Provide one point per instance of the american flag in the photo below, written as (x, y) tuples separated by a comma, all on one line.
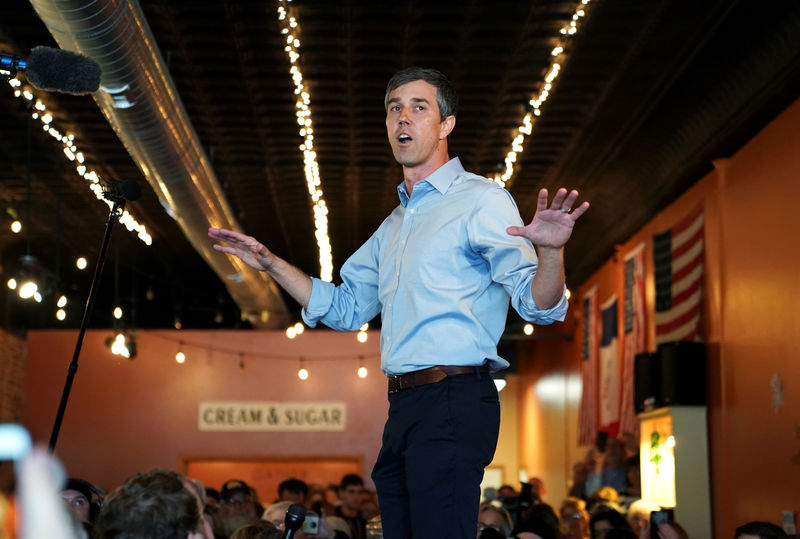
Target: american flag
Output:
[(678, 259), (609, 368), (587, 413), (635, 337)]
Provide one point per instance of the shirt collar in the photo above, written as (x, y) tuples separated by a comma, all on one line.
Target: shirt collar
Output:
[(441, 179)]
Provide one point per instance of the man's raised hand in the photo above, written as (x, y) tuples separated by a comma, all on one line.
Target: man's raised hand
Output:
[(246, 248), (552, 226)]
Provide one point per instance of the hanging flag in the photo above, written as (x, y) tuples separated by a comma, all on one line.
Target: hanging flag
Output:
[(678, 257), (635, 336), (609, 369), (587, 413)]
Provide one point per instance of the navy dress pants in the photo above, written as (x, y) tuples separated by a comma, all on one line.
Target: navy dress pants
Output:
[(437, 441)]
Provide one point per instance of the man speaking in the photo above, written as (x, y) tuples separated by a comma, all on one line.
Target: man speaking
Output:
[(441, 270)]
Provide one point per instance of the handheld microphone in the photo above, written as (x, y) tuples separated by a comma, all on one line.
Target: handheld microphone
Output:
[(295, 516), (55, 70), (117, 190)]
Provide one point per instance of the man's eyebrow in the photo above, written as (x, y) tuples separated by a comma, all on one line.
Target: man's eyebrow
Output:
[(413, 99)]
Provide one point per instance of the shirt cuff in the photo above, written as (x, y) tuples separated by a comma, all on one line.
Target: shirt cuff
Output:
[(530, 312), (319, 303)]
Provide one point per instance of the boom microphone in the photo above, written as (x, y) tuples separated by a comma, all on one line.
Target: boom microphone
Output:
[(117, 190), (295, 516), (55, 70)]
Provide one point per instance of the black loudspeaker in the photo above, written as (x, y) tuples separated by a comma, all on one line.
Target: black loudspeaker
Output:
[(683, 373), (675, 375), (644, 390)]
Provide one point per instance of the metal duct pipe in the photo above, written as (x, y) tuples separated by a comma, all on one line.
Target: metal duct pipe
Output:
[(140, 101)]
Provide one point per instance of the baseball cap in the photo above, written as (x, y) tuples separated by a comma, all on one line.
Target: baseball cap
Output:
[(231, 487)]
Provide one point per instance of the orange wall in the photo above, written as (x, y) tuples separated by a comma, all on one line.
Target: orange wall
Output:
[(126, 416), (751, 321)]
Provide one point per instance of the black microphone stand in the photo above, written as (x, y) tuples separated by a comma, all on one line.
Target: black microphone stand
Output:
[(117, 209)]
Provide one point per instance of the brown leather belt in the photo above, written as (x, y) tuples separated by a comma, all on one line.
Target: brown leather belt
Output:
[(430, 375)]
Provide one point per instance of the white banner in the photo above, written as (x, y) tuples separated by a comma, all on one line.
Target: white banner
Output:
[(272, 416)]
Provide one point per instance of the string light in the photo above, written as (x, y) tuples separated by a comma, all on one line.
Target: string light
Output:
[(61, 314), (291, 29), (117, 312), (527, 329), (16, 227), (538, 99), (12, 284), (302, 373), (72, 154), (291, 332), (62, 302), (299, 328), (362, 370), (81, 263), (122, 345), (180, 357)]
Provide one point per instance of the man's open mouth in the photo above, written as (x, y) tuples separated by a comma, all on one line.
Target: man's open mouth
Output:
[(404, 138)]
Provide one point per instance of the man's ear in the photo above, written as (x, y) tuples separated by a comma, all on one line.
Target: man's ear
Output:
[(447, 125)]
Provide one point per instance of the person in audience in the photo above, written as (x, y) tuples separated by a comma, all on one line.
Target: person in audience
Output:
[(212, 497), (633, 482), (237, 506), (339, 527), (535, 528), (638, 515), (506, 491), (603, 499), (350, 510), (276, 514), (612, 473), (538, 489), (574, 518), (293, 490), (580, 474), (78, 495), (369, 504), (602, 522), (258, 530), (759, 530), (492, 516), (158, 504)]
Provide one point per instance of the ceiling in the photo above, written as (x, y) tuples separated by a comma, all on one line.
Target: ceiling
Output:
[(648, 95)]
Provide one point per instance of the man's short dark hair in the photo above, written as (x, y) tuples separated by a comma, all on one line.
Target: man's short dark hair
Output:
[(762, 530), (295, 486), (446, 97), (351, 479), (152, 505)]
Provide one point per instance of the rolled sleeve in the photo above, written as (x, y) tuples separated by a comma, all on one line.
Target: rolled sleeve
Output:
[(319, 303), (527, 309)]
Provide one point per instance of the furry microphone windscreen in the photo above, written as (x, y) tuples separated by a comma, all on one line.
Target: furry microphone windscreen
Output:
[(63, 71)]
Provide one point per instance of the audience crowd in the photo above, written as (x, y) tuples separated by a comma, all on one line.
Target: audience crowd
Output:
[(603, 503)]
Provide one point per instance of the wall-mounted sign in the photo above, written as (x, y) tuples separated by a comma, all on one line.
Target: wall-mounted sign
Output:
[(272, 416)]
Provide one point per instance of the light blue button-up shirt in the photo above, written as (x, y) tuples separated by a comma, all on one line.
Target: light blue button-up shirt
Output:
[(441, 270)]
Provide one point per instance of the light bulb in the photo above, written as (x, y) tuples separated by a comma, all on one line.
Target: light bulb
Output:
[(117, 312), (362, 372), (12, 284), (61, 314), (180, 357), (302, 374), (365, 327), (81, 263), (528, 329), (568, 293), (299, 328), (291, 332), (28, 289), (16, 227), (362, 336), (62, 302), (37, 297)]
